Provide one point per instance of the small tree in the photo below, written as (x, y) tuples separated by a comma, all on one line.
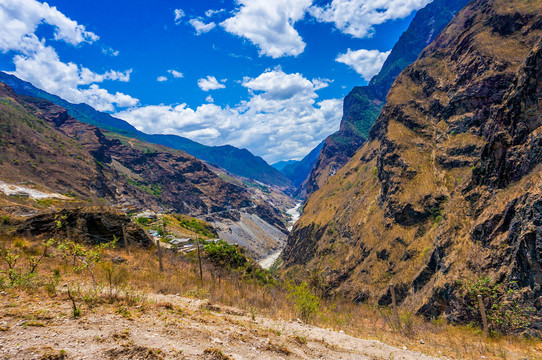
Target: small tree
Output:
[(84, 258), (307, 303), (16, 274), (10, 257)]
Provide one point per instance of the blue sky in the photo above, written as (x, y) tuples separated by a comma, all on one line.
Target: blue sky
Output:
[(264, 75)]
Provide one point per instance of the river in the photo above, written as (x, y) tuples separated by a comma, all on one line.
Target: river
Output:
[(268, 261)]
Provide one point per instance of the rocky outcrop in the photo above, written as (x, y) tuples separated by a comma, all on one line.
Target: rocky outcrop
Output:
[(363, 104), (448, 186), (88, 225)]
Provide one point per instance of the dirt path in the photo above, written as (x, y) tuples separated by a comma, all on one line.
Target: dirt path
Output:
[(170, 327)]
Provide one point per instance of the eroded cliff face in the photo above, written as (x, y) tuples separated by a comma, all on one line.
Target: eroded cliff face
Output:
[(448, 186), (363, 104)]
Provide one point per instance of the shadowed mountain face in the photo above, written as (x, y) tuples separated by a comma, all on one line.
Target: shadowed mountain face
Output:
[(237, 161), (281, 164), (297, 171), (448, 187), (363, 104)]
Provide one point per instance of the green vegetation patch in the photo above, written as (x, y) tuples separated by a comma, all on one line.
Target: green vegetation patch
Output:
[(306, 302), (197, 226), (503, 305), (153, 189), (232, 257)]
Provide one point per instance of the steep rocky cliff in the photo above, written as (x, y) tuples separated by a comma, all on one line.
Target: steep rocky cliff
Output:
[(363, 104), (448, 187)]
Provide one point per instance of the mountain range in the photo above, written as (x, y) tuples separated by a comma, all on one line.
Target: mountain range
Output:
[(297, 171), (44, 146), (237, 161), (361, 108), (429, 195)]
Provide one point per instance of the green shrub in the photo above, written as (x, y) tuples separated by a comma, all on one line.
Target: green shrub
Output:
[(143, 221), (232, 257), (307, 303), (19, 275), (504, 311), (227, 255), (375, 172), (84, 258), (153, 189), (44, 202), (197, 226)]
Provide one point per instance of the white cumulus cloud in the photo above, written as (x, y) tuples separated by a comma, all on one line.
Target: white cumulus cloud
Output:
[(270, 25), (45, 70), (179, 14), (109, 51), (103, 100), (321, 83), (357, 17), (211, 12), (367, 63), (39, 64), (277, 85), (20, 18), (201, 27), (282, 118), (210, 83), (161, 78), (175, 73)]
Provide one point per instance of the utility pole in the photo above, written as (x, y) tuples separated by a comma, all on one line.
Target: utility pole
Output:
[(199, 260), (125, 239), (394, 306), (483, 313), (159, 255)]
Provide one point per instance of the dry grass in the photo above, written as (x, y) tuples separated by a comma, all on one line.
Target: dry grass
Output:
[(216, 354), (512, 50), (125, 287), (522, 6), (352, 228)]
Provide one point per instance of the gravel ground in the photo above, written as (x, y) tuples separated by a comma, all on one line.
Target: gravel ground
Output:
[(170, 327)]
